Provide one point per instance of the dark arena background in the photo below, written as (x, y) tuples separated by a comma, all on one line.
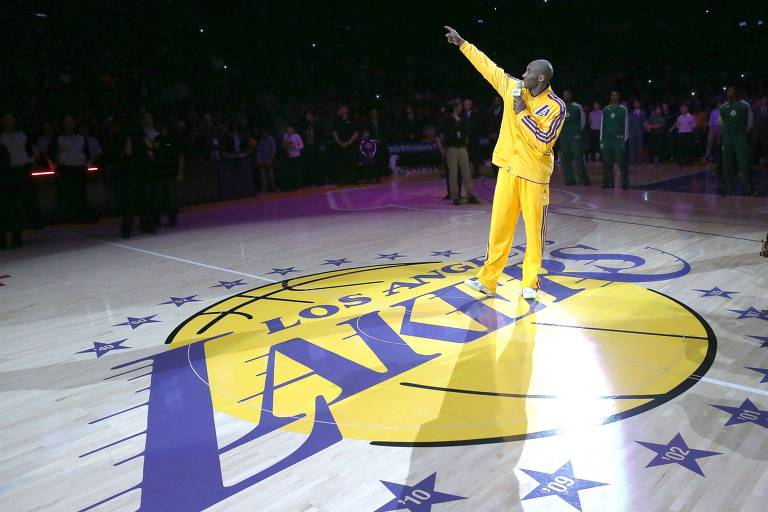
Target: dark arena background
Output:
[(353, 256)]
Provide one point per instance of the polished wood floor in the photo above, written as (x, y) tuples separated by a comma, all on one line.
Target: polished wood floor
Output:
[(316, 351)]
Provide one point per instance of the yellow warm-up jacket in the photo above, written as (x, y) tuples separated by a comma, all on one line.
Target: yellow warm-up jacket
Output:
[(525, 139)]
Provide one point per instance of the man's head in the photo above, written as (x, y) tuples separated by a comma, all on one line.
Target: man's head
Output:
[(68, 123), (636, 104), (658, 110), (595, 106), (538, 73), (683, 109), (9, 123), (468, 105), (289, 130), (455, 106), (615, 97), (147, 121), (732, 93), (343, 111), (568, 96)]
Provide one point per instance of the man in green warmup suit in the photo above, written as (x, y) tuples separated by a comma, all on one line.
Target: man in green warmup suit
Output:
[(736, 122), (571, 148), (614, 132)]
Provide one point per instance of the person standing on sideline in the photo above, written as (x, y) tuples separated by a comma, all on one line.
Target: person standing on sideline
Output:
[(713, 135), (21, 153), (494, 124), (69, 151), (453, 137), (473, 123), (614, 132), (655, 133), (636, 131), (759, 137), (266, 150), (685, 125), (11, 206), (532, 120), (736, 121), (595, 122), (310, 135), (293, 145), (571, 147), (345, 133), (169, 165)]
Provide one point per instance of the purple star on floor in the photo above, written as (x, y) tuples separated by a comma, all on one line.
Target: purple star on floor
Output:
[(561, 483), (764, 371), (337, 262), (764, 339), (102, 348), (180, 301), (391, 257), (416, 498), (747, 412), (677, 452), (283, 271), (229, 284), (751, 313), (716, 292), (446, 254), (135, 323)]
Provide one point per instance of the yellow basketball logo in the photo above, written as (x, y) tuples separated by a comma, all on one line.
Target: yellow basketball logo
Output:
[(406, 354)]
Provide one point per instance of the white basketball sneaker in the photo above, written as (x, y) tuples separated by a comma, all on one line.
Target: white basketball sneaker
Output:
[(530, 294), (476, 285)]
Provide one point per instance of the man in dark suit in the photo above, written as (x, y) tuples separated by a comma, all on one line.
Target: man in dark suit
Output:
[(759, 137), (636, 132), (493, 124), (473, 123)]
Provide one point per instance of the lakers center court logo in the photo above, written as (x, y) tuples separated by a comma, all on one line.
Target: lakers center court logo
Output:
[(406, 355)]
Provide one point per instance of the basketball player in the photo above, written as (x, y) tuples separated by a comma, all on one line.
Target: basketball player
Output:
[(532, 120)]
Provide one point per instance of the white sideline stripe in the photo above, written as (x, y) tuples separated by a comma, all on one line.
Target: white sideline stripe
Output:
[(168, 257), (734, 386)]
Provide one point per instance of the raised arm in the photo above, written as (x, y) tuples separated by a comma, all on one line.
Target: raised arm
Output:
[(495, 75)]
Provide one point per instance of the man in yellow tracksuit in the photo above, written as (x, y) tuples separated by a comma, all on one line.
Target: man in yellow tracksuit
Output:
[(532, 120)]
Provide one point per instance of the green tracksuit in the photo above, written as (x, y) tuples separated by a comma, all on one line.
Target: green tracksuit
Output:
[(614, 132), (571, 149), (736, 122)]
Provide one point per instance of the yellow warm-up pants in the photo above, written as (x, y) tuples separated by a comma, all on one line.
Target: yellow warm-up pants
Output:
[(514, 195)]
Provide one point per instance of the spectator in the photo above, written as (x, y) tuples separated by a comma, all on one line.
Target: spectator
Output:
[(684, 125), (656, 131), (266, 151), (293, 146), (411, 128), (595, 123), (669, 121), (636, 132), (713, 135), (20, 152), (571, 150), (140, 148), (69, 150), (345, 133), (94, 148), (169, 167), (453, 137), (759, 136), (311, 134), (11, 205), (473, 123), (42, 143), (378, 132), (495, 114)]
